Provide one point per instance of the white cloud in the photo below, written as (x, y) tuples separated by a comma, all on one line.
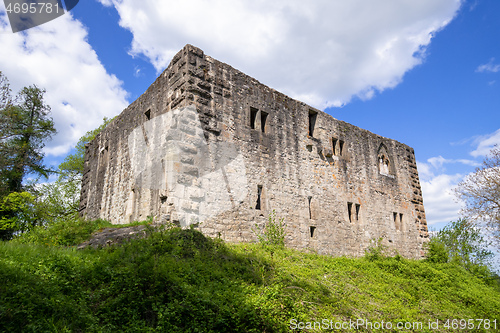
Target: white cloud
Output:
[(321, 52), (57, 57), (485, 143), (489, 67), (440, 202), (436, 165)]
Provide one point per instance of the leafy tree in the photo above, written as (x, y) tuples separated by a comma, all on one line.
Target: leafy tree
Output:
[(461, 242), (24, 126), (5, 103), (5, 92), (19, 212), (481, 193)]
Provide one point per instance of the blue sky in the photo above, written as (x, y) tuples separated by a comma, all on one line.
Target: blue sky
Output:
[(423, 72)]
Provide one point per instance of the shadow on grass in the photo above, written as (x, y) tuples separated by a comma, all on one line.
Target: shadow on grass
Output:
[(174, 281)]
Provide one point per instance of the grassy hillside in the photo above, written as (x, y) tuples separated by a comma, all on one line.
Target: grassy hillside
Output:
[(179, 281)]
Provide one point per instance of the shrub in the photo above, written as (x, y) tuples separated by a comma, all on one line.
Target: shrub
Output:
[(436, 251), (273, 233), (377, 250), (63, 233), (18, 214), (463, 244)]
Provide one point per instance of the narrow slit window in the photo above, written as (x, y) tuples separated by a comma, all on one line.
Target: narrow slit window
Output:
[(311, 231), (401, 221), (358, 207), (147, 114), (259, 197), (349, 211), (334, 146), (310, 213), (397, 222), (341, 147), (263, 119), (104, 156), (253, 117), (312, 121)]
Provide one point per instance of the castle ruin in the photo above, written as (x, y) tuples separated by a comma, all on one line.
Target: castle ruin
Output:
[(207, 145)]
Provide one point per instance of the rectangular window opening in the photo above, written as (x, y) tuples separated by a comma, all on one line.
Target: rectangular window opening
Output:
[(358, 207), (253, 117), (334, 146), (263, 118), (148, 114), (401, 221), (259, 197), (312, 121), (349, 211), (311, 230), (395, 216), (341, 147)]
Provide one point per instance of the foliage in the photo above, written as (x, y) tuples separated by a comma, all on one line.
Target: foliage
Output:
[(18, 214), (180, 281), (62, 232), (25, 125), (5, 92), (58, 202), (273, 233), (481, 193), (377, 250), (437, 252), (72, 166), (461, 242)]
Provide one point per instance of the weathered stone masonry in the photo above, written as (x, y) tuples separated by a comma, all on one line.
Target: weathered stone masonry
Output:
[(255, 150)]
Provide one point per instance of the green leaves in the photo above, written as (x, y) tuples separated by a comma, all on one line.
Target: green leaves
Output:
[(25, 125), (72, 166), (273, 234), (18, 213), (460, 242), (179, 281)]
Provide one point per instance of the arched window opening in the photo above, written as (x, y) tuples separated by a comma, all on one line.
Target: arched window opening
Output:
[(384, 161)]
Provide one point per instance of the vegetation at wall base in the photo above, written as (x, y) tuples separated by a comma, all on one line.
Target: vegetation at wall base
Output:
[(180, 281)]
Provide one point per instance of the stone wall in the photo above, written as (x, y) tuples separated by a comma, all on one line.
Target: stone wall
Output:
[(210, 146)]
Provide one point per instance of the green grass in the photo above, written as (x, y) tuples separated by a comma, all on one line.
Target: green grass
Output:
[(179, 281), (68, 233)]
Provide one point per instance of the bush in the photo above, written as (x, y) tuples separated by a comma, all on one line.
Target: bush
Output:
[(436, 251), (378, 251), (273, 233), (460, 242), (63, 233), (180, 281), (19, 213)]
